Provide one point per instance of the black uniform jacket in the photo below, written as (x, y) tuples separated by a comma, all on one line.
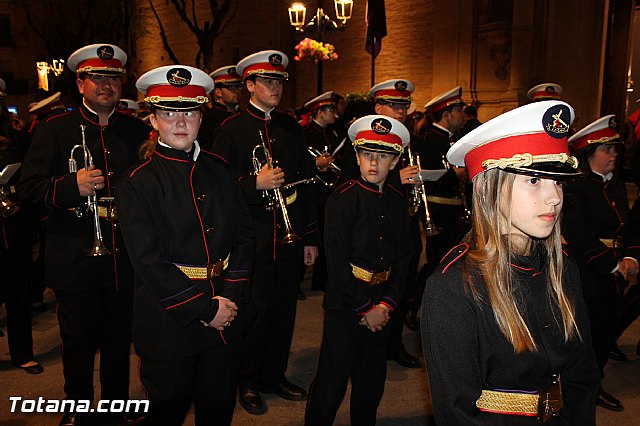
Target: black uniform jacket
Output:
[(369, 229), (46, 179), (466, 352), (235, 141), (179, 211), (595, 209), (211, 119), (434, 151)]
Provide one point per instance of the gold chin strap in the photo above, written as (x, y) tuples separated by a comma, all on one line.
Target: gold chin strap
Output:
[(526, 159), (157, 99), (394, 146), (605, 139), (98, 70)]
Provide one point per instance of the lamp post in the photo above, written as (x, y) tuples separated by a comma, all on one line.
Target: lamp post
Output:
[(320, 23)]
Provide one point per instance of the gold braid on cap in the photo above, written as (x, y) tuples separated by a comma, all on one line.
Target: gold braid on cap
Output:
[(526, 159), (155, 99), (604, 139), (261, 73), (394, 146), (90, 68), (391, 98)]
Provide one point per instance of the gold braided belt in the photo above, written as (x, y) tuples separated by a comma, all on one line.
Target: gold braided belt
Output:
[(526, 159), (544, 404), (371, 278), (204, 272)]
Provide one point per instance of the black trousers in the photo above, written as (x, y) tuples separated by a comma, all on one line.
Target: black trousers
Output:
[(602, 319), (208, 379), (629, 309), (95, 319), (349, 350), (15, 291), (274, 292)]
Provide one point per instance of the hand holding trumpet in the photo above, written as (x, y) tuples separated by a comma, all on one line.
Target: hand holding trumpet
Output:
[(89, 181), (269, 178)]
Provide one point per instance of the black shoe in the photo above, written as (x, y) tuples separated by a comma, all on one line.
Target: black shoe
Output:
[(285, 389), (32, 369), (608, 401), (616, 354), (411, 321), (405, 359), (70, 419), (251, 401)]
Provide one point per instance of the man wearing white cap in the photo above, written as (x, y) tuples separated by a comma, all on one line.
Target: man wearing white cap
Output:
[(226, 102), (94, 292), (603, 235), (366, 234), (283, 246)]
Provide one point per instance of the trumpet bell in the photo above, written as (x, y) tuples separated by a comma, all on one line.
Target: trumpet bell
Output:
[(7, 207), (99, 250), (431, 230), (290, 237)]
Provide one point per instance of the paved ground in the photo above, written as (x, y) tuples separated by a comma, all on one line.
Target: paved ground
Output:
[(405, 402)]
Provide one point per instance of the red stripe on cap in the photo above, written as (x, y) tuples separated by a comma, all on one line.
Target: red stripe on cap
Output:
[(225, 78), (168, 91), (444, 103), (393, 93), (370, 135), (263, 66), (583, 141), (321, 103), (100, 63), (533, 143), (545, 94)]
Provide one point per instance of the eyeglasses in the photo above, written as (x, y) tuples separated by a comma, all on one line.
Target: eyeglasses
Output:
[(328, 108), (102, 79), (396, 105), (170, 116)]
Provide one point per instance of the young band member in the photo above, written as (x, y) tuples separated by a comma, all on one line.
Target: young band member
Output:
[(283, 246), (602, 234), (504, 328), (190, 239), (366, 234), (94, 293)]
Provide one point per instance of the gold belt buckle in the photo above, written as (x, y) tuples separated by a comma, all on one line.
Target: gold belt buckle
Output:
[(550, 400), (379, 277), (214, 269)]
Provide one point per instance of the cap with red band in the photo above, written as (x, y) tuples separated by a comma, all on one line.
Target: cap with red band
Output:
[(446, 99), (603, 130), (128, 106), (319, 101), (175, 87), (531, 140), (545, 91), (393, 91), (379, 133), (226, 76), (98, 59), (266, 63), (46, 105)]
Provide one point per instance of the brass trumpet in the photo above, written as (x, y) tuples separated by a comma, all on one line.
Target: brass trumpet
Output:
[(273, 197), (333, 170), (466, 216), (418, 197), (7, 207), (98, 249)]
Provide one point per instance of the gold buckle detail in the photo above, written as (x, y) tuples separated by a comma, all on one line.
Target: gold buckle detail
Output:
[(550, 400), (372, 278)]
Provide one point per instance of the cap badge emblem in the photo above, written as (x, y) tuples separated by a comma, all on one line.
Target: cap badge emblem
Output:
[(555, 121), (550, 90), (232, 71), (275, 59), (401, 86), (178, 77), (381, 126), (612, 123), (105, 52)]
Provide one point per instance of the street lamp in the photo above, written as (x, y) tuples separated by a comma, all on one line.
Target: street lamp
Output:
[(320, 23)]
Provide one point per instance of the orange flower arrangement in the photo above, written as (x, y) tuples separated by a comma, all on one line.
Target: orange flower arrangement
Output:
[(314, 51)]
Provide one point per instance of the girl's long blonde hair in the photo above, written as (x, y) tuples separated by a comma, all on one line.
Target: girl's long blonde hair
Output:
[(491, 251)]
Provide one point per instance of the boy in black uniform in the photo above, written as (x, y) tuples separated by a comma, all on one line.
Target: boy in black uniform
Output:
[(94, 293), (278, 264), (367, 229)]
